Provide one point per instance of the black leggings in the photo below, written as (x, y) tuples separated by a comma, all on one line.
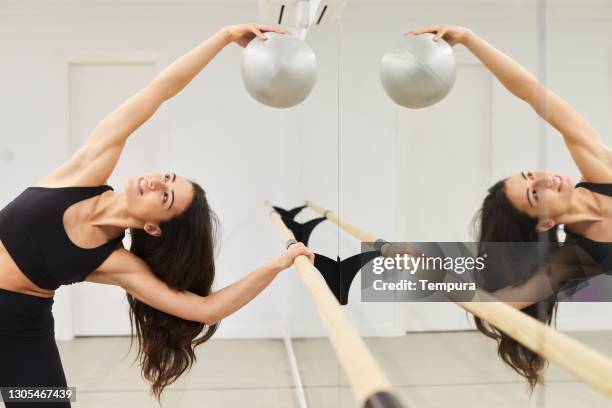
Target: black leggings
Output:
[(28, 353)]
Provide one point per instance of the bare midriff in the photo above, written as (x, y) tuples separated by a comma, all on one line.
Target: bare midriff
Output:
[(14, 280)]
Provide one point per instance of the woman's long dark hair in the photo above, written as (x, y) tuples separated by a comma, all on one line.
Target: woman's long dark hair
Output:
[(182, 257), (499, 221)]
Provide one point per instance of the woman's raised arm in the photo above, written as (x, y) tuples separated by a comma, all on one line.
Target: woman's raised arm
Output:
[(592, 156), (95, 161)]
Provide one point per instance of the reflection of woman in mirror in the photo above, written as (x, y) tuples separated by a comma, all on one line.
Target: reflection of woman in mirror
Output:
[(68, 228), (529, 206)]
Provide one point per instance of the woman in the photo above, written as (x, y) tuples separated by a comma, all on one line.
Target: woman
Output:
[(68, 228), (529, 206)]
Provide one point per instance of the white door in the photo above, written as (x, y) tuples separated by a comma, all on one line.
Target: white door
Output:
[(95, 90), (445, 169)]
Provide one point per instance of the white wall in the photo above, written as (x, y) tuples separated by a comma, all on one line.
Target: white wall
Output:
[(244, 153)]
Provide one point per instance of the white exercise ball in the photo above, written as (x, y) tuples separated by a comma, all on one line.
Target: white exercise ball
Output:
[(417, 71), (280, 71)]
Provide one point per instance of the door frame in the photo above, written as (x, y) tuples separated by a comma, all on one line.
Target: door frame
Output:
[(63, 308), (402, 312)]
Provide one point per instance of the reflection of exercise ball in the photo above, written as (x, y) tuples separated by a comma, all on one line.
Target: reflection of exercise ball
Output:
[(279, 72), (417, 71)]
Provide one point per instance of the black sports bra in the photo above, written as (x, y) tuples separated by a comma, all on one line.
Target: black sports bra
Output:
[(601, 252), (32, 230)]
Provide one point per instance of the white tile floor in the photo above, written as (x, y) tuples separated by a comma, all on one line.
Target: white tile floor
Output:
[(458, 369)]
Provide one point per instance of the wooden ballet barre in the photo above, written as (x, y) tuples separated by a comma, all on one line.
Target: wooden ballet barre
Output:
[(368, 382), (588, 365)]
